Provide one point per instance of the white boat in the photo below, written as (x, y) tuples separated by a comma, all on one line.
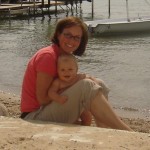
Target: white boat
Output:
[(119, 26)]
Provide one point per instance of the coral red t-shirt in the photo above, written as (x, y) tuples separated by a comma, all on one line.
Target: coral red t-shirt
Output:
[(42, 61)]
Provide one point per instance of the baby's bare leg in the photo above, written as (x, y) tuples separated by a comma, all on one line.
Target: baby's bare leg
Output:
[(86, 118)]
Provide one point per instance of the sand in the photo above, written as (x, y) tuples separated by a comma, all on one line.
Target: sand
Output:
[(12, 103)]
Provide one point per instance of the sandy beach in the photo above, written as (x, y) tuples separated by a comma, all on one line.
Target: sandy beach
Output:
[(12, 103)]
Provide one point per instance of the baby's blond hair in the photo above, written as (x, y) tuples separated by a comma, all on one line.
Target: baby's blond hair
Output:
[(66, 58)]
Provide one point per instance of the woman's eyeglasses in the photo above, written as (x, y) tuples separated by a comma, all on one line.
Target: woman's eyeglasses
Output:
[(70, 36)]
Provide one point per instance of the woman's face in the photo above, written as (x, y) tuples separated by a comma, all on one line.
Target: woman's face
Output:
[(70, 38)]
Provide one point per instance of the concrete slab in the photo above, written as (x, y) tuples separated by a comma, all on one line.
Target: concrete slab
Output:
[(37, 135)]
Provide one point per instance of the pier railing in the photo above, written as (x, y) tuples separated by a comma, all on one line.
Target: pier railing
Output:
[(32, 7)]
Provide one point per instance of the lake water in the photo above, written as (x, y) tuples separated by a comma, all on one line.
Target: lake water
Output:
[(123, 62)]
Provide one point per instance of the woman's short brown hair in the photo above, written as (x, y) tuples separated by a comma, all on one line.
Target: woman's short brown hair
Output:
[(67, 23)]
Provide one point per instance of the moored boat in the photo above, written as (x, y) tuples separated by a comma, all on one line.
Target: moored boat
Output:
[(119, 26)]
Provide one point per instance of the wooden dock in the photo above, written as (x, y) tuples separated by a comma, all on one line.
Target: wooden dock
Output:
[(33, 8)]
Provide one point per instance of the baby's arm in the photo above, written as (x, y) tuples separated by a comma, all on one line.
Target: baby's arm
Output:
[(53, 93)]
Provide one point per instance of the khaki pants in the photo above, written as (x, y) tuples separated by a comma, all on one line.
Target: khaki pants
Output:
[(79, 98)]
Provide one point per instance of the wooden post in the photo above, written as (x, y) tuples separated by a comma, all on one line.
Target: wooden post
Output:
[(21, 3), (76, 3), (42, 8), (92, 9), (128, 19), (34, 7), (42, 3), (9, 14), (28, 11), (56, 8), (49, 5), (109, 9)]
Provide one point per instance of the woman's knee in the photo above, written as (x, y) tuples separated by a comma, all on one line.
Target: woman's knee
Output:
[(89, 83), (103, 89)]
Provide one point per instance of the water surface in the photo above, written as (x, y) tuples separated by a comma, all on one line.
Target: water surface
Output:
[(122, 62)]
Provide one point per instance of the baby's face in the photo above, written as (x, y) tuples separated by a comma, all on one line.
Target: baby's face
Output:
[(67, 71)]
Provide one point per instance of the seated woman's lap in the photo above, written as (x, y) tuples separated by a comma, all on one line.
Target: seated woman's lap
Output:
[(79, 98)]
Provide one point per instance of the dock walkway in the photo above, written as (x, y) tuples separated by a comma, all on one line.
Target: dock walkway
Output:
[(34, 8)]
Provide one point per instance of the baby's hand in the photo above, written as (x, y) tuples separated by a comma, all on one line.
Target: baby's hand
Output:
[(63, 99)]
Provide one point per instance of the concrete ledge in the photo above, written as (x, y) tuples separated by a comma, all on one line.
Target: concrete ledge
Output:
[(37, 135)]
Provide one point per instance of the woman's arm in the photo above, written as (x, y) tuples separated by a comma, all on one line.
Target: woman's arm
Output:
[(43, 83)]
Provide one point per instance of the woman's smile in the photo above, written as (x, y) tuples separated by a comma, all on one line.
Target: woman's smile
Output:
[(70, 38)]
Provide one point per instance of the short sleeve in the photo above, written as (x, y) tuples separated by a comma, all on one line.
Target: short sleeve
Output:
[(46, 63)]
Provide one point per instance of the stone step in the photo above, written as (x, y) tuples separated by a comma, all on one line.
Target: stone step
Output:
[(19, 134)]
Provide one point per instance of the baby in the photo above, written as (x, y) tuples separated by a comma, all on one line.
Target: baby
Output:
[(68, 75), (67, 69)]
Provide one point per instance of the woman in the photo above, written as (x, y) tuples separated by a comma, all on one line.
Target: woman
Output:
[(85, 96)]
